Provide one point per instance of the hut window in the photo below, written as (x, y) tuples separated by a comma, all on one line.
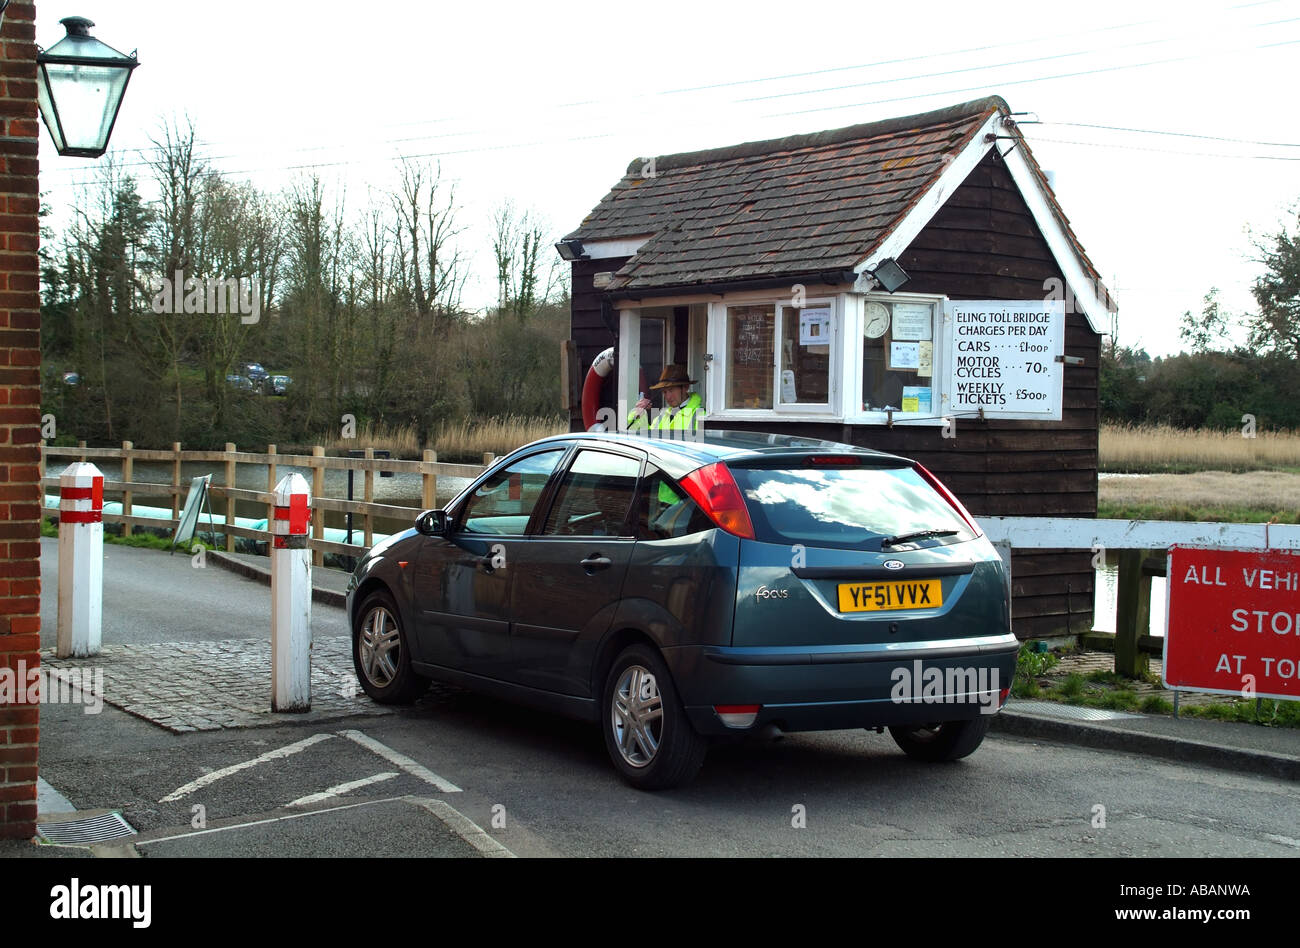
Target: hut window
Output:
[(898, 356), (780, 355)]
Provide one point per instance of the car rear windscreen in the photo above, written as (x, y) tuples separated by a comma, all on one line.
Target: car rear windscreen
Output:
[(850, 507)]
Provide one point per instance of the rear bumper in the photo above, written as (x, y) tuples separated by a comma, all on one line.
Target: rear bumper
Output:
[(831, 687)]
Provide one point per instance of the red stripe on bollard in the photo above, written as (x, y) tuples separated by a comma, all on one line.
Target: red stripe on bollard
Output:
[(76, 493), (81, 516)]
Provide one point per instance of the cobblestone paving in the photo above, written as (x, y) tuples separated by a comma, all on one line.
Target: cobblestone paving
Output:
[(207, 686)]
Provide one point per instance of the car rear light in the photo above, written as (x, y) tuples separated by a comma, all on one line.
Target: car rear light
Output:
[(715, 490), (737, 715), (1003, 695), (947, 495)]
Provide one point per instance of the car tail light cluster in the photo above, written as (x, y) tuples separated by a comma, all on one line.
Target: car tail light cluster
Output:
[(947, 495), (737, 715), (715, 490)]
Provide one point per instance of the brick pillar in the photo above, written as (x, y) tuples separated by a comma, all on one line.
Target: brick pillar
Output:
[(21, 495)]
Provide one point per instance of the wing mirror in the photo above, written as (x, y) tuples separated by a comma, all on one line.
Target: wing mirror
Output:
[(432, 523)]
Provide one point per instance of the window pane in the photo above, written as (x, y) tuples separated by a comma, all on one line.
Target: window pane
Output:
[(805, 355), (898, 357), (663, 509), (751, 355), (849, 507), (503, 503), (594, 496)]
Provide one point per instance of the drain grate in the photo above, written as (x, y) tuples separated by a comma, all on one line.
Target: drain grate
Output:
[(1053, 710), (85, 831)]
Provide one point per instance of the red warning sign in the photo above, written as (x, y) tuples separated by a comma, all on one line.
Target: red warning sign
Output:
[(1233, 622)]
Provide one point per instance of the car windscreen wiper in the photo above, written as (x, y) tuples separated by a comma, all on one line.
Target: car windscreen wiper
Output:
[(918, 535)]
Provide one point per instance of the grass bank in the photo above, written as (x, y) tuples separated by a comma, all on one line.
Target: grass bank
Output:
[(1219, 496)]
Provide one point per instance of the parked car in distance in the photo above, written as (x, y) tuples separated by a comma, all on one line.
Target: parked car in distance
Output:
[(278, 384), (255, 373), (679, 591), (70, 378), (241, 382)]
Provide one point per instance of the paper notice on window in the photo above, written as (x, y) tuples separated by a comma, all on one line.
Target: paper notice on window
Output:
[(815, 326), (925, 364), (916, 398), (788, 391), (913, 321), (904, 355)]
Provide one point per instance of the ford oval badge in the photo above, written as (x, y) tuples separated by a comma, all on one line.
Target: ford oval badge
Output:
[(893, 564)]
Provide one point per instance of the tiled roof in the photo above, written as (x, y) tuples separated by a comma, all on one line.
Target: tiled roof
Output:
[(796, 205)]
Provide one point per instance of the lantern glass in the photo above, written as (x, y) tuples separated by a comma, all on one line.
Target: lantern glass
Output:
[(80, 85)]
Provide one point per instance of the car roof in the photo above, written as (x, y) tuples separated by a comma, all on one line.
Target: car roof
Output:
[(679, 455)]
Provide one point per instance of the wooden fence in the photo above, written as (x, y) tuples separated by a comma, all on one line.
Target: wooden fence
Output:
[(429, 469)]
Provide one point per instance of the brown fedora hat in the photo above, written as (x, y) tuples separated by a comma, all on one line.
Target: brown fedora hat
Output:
[(673, 374)]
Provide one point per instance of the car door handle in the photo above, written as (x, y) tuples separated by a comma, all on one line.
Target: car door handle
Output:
[(485, 563), (596, 562)]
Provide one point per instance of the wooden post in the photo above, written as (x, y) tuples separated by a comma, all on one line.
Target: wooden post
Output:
[(128, 475), (488, 458), (270, 487), (429, 482), (82, 458), (369, 519), (176, 480), (230, 498), (1132, 615), (318, 515)]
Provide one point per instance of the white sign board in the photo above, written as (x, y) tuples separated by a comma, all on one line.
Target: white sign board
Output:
[(1002, 357)]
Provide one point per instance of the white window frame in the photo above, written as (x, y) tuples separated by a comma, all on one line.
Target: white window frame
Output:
[(830, 410), (853, 327)]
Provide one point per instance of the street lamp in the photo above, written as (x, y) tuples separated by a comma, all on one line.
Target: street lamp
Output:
[(79, 87)]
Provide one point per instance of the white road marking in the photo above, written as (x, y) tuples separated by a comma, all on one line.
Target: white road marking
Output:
[(466, 829), (274, 819), (1284, 840), (278, 754), (401, 760), (339, 789)]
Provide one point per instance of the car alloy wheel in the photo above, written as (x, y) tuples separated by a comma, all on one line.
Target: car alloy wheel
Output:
[(380, 647), (381, 653), (647, 733), (637, 716)]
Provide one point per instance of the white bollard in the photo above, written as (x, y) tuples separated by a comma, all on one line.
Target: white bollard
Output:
[(81, 561), (291, 597)]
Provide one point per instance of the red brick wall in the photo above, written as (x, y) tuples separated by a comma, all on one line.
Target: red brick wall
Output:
[(20, 414)]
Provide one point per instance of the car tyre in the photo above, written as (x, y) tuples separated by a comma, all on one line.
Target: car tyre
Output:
[(647, 734), (949, 740), (381, 653)]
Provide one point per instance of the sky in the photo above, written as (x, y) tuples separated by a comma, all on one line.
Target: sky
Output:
[(546, 104)]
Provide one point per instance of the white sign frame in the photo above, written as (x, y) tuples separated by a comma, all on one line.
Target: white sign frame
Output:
[(1004, 327)]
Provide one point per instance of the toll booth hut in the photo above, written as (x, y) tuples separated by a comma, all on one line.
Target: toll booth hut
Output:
[(910, 285)]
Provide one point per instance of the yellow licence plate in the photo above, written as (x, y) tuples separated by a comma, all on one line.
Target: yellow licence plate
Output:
[(883, 597)]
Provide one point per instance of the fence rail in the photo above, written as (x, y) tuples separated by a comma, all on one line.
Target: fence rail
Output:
[(429, 468)]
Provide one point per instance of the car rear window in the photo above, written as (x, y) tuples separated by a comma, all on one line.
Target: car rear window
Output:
[(849, 507)]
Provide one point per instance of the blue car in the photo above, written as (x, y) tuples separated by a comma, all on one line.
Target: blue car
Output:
[(677, 592)]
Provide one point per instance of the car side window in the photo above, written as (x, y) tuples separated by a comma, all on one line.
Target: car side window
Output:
[(594, 496), (504, 503), (663, 509)]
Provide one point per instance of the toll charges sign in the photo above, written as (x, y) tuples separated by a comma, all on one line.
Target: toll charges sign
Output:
[(1002, 357), (1233, 622)]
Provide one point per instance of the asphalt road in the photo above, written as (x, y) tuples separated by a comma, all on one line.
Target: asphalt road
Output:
[(542, 785)]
